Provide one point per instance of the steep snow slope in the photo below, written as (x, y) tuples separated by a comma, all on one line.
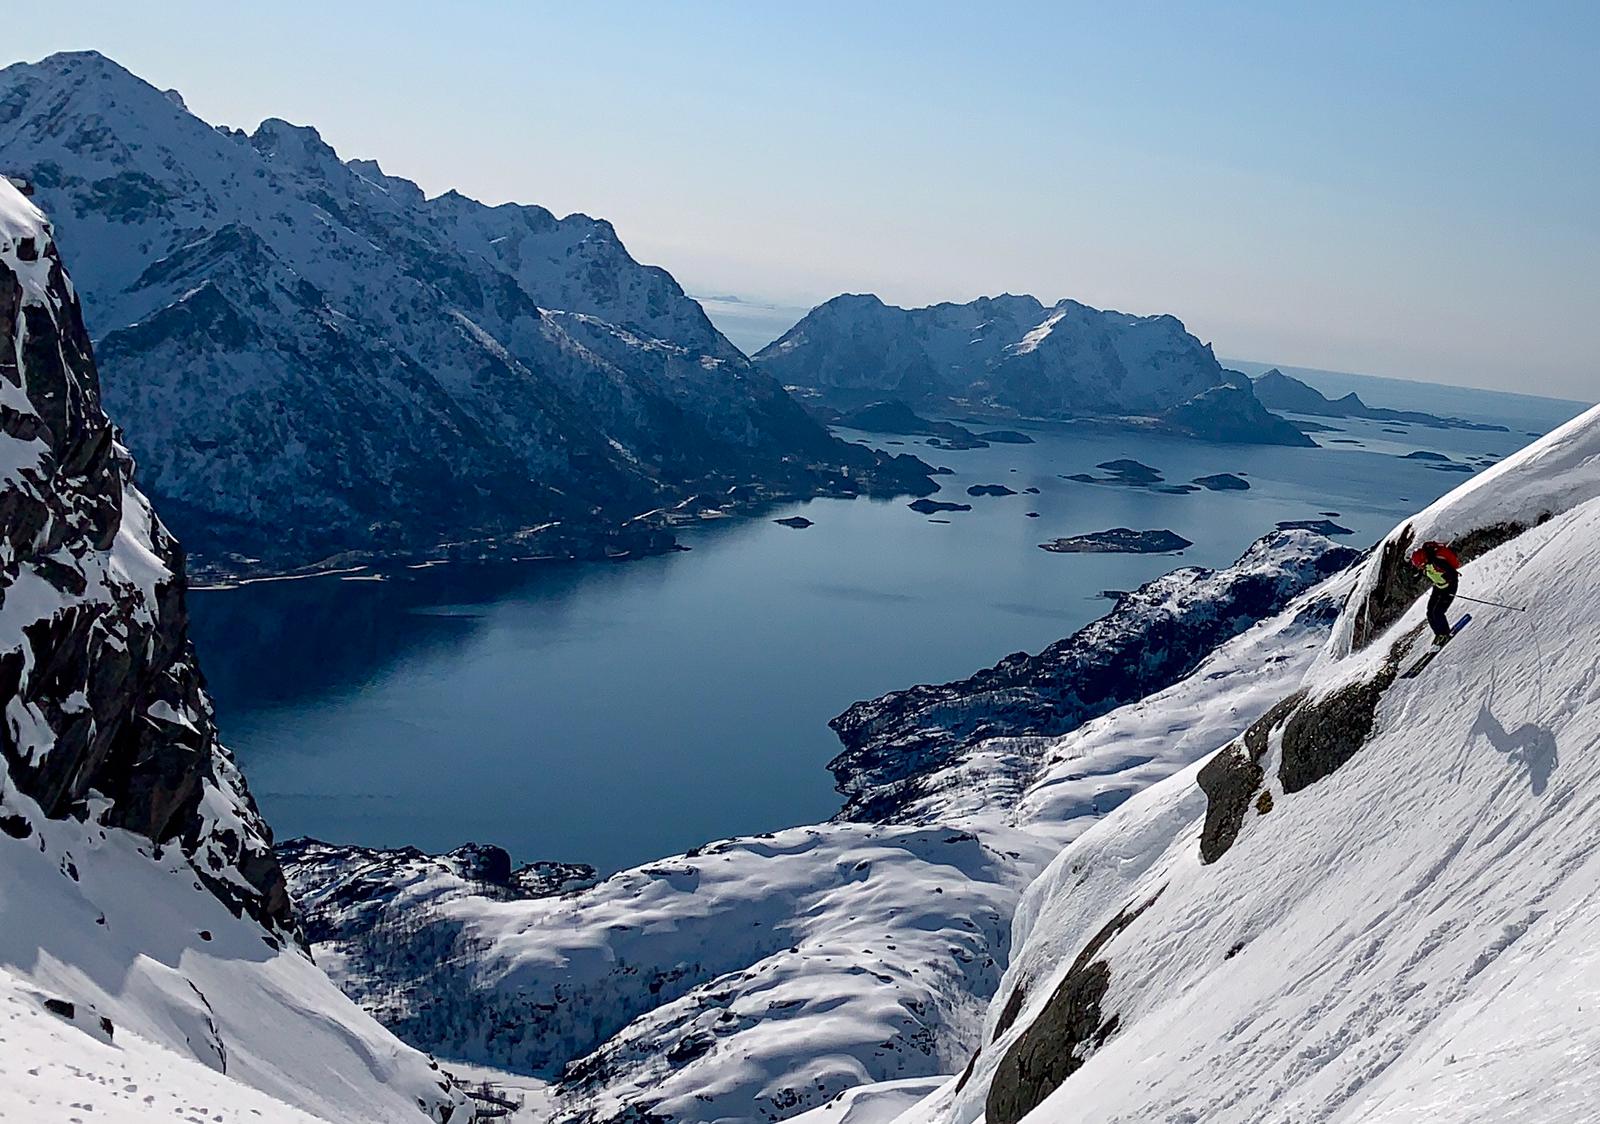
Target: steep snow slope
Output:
[(1379, 903), (312, 357), (137, 881), (756, 978), (1013, 355)]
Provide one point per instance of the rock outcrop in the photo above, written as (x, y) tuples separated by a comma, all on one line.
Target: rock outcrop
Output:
[(106, 715)]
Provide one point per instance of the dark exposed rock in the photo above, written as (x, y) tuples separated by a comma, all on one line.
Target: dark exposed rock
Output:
[(1317, 736), (928, 507), (1223, 482), (1425, 455), (990, 490), (1232, 777), (798, 522), (1053, 1047), (1321, 736), (1119, 540), (1131, 471), (103, 664), (1005, 437), (1399, 584)]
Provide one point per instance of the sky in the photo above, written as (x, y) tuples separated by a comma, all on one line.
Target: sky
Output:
[(1398, 189)]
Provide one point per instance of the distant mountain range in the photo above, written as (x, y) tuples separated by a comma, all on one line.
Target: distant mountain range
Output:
[(1011, 355), (1279, 391), (313, 358)]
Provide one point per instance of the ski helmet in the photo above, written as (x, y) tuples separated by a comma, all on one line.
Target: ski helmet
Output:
[(1419, 558)]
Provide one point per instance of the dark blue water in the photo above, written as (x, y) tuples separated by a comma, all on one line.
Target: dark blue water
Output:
[(615, 713)]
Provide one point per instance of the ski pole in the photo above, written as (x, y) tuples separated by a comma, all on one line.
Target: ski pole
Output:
[(1495, 604)]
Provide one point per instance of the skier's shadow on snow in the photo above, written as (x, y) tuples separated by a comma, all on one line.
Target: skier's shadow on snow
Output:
[(1531, 745)]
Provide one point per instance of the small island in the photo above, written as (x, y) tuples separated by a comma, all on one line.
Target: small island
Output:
[(798, 522), (928, 507), (1005, 437), (1119, 540), (1126, 473), (1320, 526), (990, 490), (1131, 471), (1223, 482)]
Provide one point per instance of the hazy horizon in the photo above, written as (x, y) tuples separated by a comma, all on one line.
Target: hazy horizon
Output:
[(1394, 193)]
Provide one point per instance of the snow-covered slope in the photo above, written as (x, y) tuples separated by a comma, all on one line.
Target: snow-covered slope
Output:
[(312, 357), (1380, 902), (756, 978), (146, 936), (1014, 355)]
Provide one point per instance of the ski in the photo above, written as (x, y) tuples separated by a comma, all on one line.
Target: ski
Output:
[(1428, 657)]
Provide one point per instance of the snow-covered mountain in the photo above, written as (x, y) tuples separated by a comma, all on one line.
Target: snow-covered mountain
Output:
[(313, 357), (755, 978), (1378, 903), (1287, 884), (1013, 355), (150, 959)]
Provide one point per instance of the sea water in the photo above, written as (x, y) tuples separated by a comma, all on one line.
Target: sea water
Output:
[(615, 713)]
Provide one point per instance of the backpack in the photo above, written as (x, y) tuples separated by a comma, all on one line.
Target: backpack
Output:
[(1444, 554)]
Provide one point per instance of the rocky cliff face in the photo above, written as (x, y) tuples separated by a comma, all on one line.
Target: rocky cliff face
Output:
[(313, 357), (106, 715), (147, 929), (1012, 355)]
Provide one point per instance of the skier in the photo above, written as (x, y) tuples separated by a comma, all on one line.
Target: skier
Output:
[(1440, 566)]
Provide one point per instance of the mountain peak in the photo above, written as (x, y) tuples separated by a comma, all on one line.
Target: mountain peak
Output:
[(296, 145), (80, 68)]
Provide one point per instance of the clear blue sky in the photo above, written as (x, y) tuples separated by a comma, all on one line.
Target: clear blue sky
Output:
[(1407, 189)]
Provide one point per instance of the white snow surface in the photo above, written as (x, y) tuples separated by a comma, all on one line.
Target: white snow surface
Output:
[(1410, 938), (19, 218), (205, 1012), (824, 958), (1555, 473)]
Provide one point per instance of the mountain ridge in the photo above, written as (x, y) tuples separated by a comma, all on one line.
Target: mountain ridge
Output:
[(315, 359), (1013, 356), (149, 950)]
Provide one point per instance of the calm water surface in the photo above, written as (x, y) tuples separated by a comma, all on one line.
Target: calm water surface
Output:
[(615, 713)]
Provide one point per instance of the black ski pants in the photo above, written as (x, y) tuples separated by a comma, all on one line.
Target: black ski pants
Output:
[(1438, 605)]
